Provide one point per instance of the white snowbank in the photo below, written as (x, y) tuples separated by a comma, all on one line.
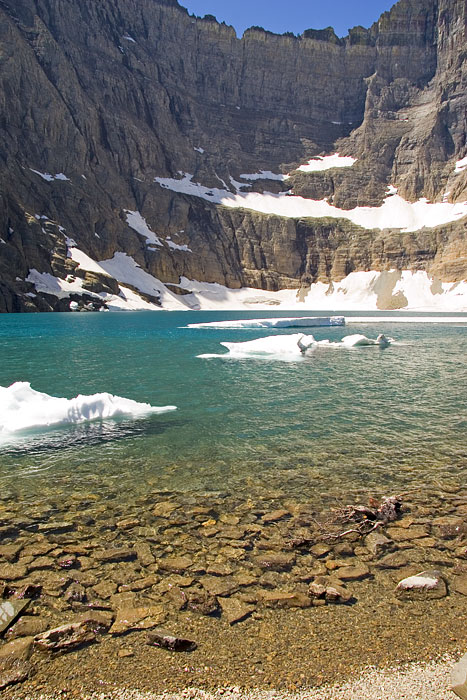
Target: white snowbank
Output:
[(327, 162), (395, 212), (303, 322), (138, 224), (461, 165), (50, 178), (295, 346), (22, 408), (264, 175)]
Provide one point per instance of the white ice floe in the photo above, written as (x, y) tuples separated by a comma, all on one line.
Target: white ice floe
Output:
[(198, 148), (127, 37), (395, 212), (294, 347), (23, 408), (49, 177), (461, 165), (138, 224), (264, 175), (327, 162), (303, 322)]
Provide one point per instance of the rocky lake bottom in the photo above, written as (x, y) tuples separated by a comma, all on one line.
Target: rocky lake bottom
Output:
[(272, 592)]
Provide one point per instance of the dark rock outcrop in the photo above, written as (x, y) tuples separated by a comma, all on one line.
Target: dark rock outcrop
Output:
[(113, 94)]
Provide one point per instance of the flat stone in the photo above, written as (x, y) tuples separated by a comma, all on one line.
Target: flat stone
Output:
[(377, 543), (459, 678), (218, 586), (275, 561), (12, 572), (10, 610), (167, 640), (219, 570), (18, 649), (401, 534), (41, 563), (56, 526), (427, 585), (14, 661), (37, 549), (128, 523), (275, 515), (137, 619), (234, 610), (105, 589), (281, 599), (353, 573), (393, 561), (176, 565), (100, 620), (164, 509), (320, 549), (115, 555), (337, 594), (459, 584), (27, 626), (140, 584), (144, 554), (10, 551), (65, 637)]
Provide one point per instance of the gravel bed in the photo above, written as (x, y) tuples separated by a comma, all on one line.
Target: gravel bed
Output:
[(417, 681)]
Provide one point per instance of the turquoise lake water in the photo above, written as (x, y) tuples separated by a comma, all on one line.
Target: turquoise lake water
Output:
[(331, 424)]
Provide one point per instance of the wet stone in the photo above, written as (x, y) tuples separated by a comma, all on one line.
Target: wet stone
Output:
[(377, 543), (353, 573), (65, 637), (105, 589), (14, 664), (144, 554), (10, 610), (27, 626), (337, 594), (218, 586), (282, 599), (115, 555), (10, 551), (176, 565), (202, 602), (275, 561), (137, 619), (164, 509), (275, 515), (167, 640), (100, 620), (459, 585), (219, 570), (234, 610), (401, 534), (12, 572), (140, 584), (393, 561), (320, 549), (56, 527), (41, 563), (427, 585)]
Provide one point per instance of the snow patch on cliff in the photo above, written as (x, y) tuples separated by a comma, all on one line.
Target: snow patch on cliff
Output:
[(138, 224), (395, 212), (327, 162)]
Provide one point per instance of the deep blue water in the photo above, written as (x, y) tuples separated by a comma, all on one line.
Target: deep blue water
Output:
[(336, 422)]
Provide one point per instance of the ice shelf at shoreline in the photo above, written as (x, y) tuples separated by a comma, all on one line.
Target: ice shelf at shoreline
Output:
[(23, 408), (304, 322)]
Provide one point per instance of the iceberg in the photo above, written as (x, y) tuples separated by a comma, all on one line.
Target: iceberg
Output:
[(303, 322), (294, 347), (23, 408)]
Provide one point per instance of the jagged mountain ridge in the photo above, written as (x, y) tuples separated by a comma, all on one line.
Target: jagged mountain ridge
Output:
[(113, 94)]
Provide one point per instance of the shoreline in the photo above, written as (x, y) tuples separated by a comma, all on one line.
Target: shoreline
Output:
[(413, 681)]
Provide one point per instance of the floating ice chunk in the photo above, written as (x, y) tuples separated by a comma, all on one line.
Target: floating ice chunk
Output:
[(138, 224), (284, 346), (294, 347), (461, 165), (302, 322), (23, 408), (198, 148), (127, 37), (327, 162), (358, 340)]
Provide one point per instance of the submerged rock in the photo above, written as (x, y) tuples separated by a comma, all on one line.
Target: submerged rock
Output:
[(10, 610), (66, 637), (427, 585), (137, 619), (166, 640), (235, 610)]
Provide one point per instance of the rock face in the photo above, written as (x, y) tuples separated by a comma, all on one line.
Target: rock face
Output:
[(98, 99)]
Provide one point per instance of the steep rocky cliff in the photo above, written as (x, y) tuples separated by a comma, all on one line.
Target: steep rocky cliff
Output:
[(99, 98)]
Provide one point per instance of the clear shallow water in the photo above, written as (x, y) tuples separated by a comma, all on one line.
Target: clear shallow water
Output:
[(348, 420)]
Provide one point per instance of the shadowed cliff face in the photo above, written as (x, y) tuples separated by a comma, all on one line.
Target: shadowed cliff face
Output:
[(108, 95)]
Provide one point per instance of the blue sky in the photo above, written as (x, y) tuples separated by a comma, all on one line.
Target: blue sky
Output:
[(292, 15)]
